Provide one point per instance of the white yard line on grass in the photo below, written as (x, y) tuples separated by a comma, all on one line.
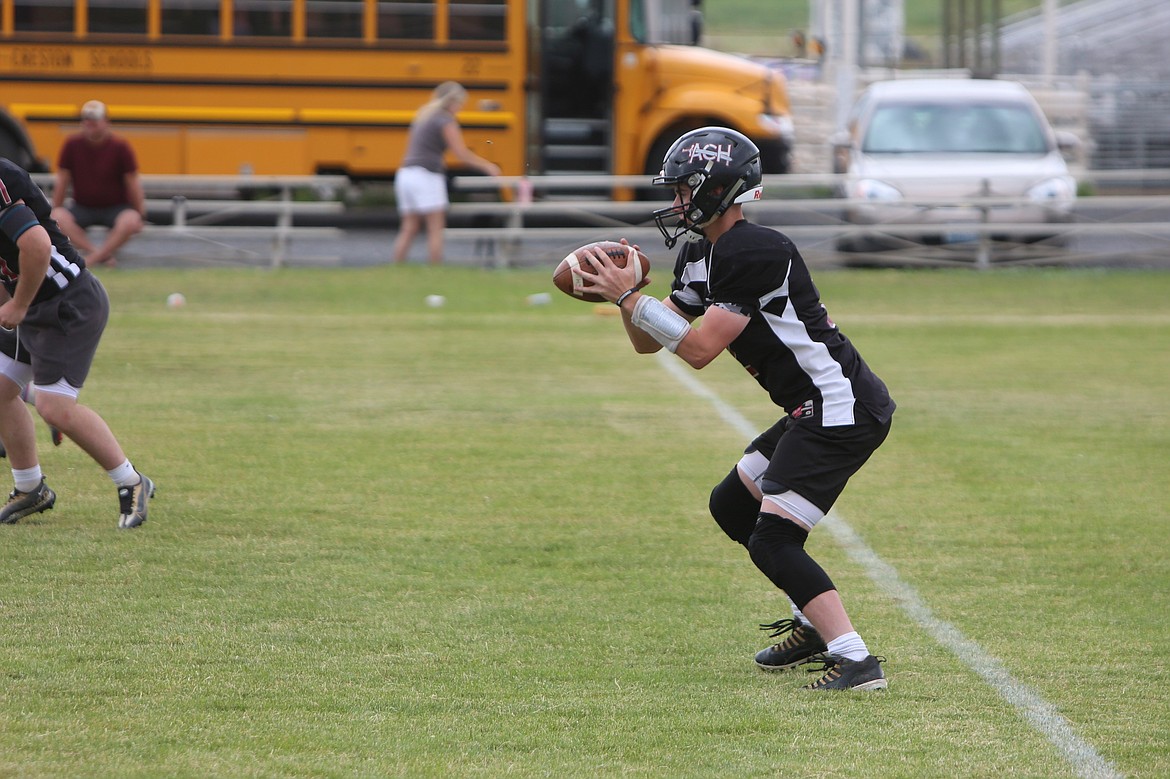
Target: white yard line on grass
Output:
[(1080, 755)]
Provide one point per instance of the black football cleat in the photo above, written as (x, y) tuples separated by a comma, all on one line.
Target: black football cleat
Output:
[(842, 674), (804, 645), (22, 504)]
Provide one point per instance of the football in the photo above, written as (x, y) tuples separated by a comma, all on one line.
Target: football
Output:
[(568, 280)]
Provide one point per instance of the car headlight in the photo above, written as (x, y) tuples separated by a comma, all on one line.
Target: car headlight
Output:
[(1060, 189), (778, 124), (872, 189)]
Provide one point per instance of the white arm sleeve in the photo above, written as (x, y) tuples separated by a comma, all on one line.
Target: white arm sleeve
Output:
[(664, 326)]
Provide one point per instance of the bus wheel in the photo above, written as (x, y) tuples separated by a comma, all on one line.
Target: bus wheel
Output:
[(653, 165)]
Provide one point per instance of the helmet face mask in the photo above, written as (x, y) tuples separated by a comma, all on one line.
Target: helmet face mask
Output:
[(719, 167)]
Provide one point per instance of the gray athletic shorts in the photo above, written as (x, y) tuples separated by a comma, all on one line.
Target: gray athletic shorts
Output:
[(62, 333), (10, 346), (14, 360), (88, 217)]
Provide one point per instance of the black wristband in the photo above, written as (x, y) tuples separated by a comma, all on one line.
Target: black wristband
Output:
[(624, 295)]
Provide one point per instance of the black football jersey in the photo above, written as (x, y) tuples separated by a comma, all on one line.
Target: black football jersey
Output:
[(790, 345), (65, 264)]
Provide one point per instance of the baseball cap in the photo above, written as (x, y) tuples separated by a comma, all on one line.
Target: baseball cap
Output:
[(94, 109)]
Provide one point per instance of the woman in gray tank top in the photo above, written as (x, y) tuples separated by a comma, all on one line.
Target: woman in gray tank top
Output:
[(420, 186)]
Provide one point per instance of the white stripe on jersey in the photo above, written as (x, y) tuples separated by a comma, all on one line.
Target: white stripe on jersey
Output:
[(814, 358), (60, 270), (693, 272)]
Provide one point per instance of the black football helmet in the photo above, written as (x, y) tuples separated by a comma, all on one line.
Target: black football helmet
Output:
[(720, 166)]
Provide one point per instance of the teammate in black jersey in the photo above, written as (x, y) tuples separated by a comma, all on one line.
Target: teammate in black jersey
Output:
[(758, 301), (59, 310)]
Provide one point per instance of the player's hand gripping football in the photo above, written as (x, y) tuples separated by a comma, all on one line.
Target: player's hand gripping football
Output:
[(609, 280)]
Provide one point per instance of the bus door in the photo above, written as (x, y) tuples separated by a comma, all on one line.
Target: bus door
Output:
[(576, 77)]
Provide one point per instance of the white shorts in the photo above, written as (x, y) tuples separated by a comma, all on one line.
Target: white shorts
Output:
[(420, 191), (19, 372)]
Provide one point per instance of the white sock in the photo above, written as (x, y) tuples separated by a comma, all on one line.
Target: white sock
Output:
[(124, 475), (27, 479), (850, 646)]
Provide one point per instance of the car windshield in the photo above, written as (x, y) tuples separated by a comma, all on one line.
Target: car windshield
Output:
[(927, 128)]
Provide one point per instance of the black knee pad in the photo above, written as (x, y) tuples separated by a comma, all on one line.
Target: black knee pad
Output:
[(777, 548), (734, 508)]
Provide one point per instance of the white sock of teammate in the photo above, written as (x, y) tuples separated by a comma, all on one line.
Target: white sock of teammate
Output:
[(124, 475), (849, 646), (27, 479)]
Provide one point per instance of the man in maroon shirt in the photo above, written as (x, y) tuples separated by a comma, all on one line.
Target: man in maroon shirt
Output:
[(102, 171)]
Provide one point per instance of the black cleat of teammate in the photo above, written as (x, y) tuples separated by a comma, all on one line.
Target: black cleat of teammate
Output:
[(132, 503), (22, 504)]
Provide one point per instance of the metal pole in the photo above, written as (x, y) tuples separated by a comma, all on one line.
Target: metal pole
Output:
[(983, 253), (997, 23), (948, 32), (977, 62), (283, 227), (847, 72), (178, 212), (1050, 52)]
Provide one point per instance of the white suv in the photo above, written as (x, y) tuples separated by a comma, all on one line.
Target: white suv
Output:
[(916, 151)]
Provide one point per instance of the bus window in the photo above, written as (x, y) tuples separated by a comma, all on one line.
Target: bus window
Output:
[(190, 17), (413, 19), (333, 18), (117, 16), (44, 16), (664, 21), (478, 20), (578, 62), (262, 18), (637, 21)]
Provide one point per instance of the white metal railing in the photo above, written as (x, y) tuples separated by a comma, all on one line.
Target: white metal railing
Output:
[(222, 183), (599, 216), (199, 213), (779, 182), (199, 205)]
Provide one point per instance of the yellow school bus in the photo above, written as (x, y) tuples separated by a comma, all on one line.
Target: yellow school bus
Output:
[(295, 87)]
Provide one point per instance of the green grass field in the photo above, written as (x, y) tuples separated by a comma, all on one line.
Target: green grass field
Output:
[(766, 26), (922, 16), (391, 540)]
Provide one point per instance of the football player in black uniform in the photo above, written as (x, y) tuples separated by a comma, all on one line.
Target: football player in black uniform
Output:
[(758, 301), (59, 310)]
